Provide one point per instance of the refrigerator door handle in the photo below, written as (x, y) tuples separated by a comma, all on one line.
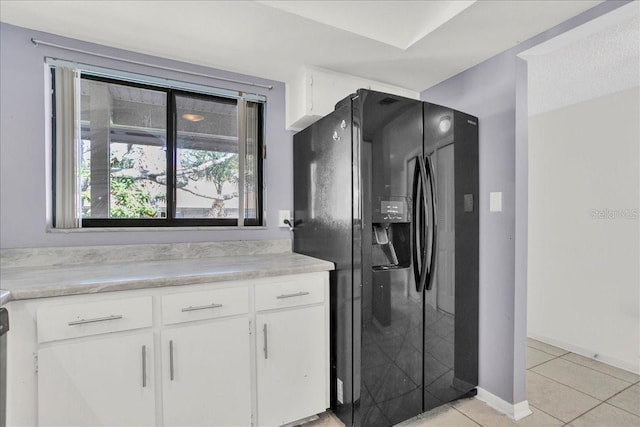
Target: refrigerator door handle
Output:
[(414, 228), (418, 224), (433, 229)]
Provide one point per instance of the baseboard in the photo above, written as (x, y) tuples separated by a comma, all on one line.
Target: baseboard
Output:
[(515, 411), (589, 353)]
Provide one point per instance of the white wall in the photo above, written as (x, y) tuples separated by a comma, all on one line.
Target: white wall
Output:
[(584, 194), (584, 281)]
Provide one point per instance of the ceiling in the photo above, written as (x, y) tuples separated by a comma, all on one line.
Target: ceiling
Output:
[(409, 44), (598, 58)]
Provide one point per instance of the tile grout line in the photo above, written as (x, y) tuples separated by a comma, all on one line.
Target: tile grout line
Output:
[(550, 354), (555, 355), (586, 412), (544, 412), (542, 363), (595, 370), (622, 409), (562, 356), (568, 386), (617, 407), (580, 391), (467, 416), (557, 382)]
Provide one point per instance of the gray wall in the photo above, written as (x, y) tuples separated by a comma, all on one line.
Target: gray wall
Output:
[(25, 145), (495, 91), (489, 92)]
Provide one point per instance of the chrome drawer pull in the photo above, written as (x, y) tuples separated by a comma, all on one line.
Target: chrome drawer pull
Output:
[(171, 376), (144, 366), (201, 307), (265, 348), (297, 294), (97, 319)]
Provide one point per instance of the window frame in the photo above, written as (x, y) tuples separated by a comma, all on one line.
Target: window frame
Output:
[(171, 92)]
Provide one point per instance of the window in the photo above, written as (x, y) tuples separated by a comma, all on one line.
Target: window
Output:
[(152, 155)]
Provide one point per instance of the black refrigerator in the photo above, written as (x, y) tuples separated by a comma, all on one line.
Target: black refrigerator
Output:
[(386, 188)]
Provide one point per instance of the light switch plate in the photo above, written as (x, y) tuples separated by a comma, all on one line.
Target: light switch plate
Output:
[(495, 201)]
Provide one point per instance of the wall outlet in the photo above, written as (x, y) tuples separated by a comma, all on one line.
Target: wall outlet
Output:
[(282, 215)]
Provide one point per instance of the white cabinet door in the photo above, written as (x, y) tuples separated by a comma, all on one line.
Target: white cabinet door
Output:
[(206, 374), (107, 381), (291, 364)]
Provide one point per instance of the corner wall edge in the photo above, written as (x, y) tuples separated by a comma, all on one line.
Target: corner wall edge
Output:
[(515, 411)]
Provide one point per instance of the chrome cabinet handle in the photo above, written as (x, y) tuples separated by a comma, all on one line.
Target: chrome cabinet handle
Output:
[(264, 331), (171, 376), (144, 366), (201, 307), (97, 319), (297, 294)]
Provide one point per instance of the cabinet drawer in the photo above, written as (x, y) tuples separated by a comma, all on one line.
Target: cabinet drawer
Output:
[(100, 317), (289, 294), (188, 306)]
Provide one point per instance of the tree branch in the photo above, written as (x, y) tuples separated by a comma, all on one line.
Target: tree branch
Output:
[(140, 175), (223, 196)]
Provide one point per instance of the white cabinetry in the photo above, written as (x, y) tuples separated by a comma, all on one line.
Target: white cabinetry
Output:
[(105, 380), (193, 355), (206, 370), (292, 352), (97, 383), (209, 384)]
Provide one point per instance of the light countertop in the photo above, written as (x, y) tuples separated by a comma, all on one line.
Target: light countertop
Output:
[(51, 281)]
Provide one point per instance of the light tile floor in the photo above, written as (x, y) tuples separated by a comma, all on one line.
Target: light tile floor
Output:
[(563, 390)]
